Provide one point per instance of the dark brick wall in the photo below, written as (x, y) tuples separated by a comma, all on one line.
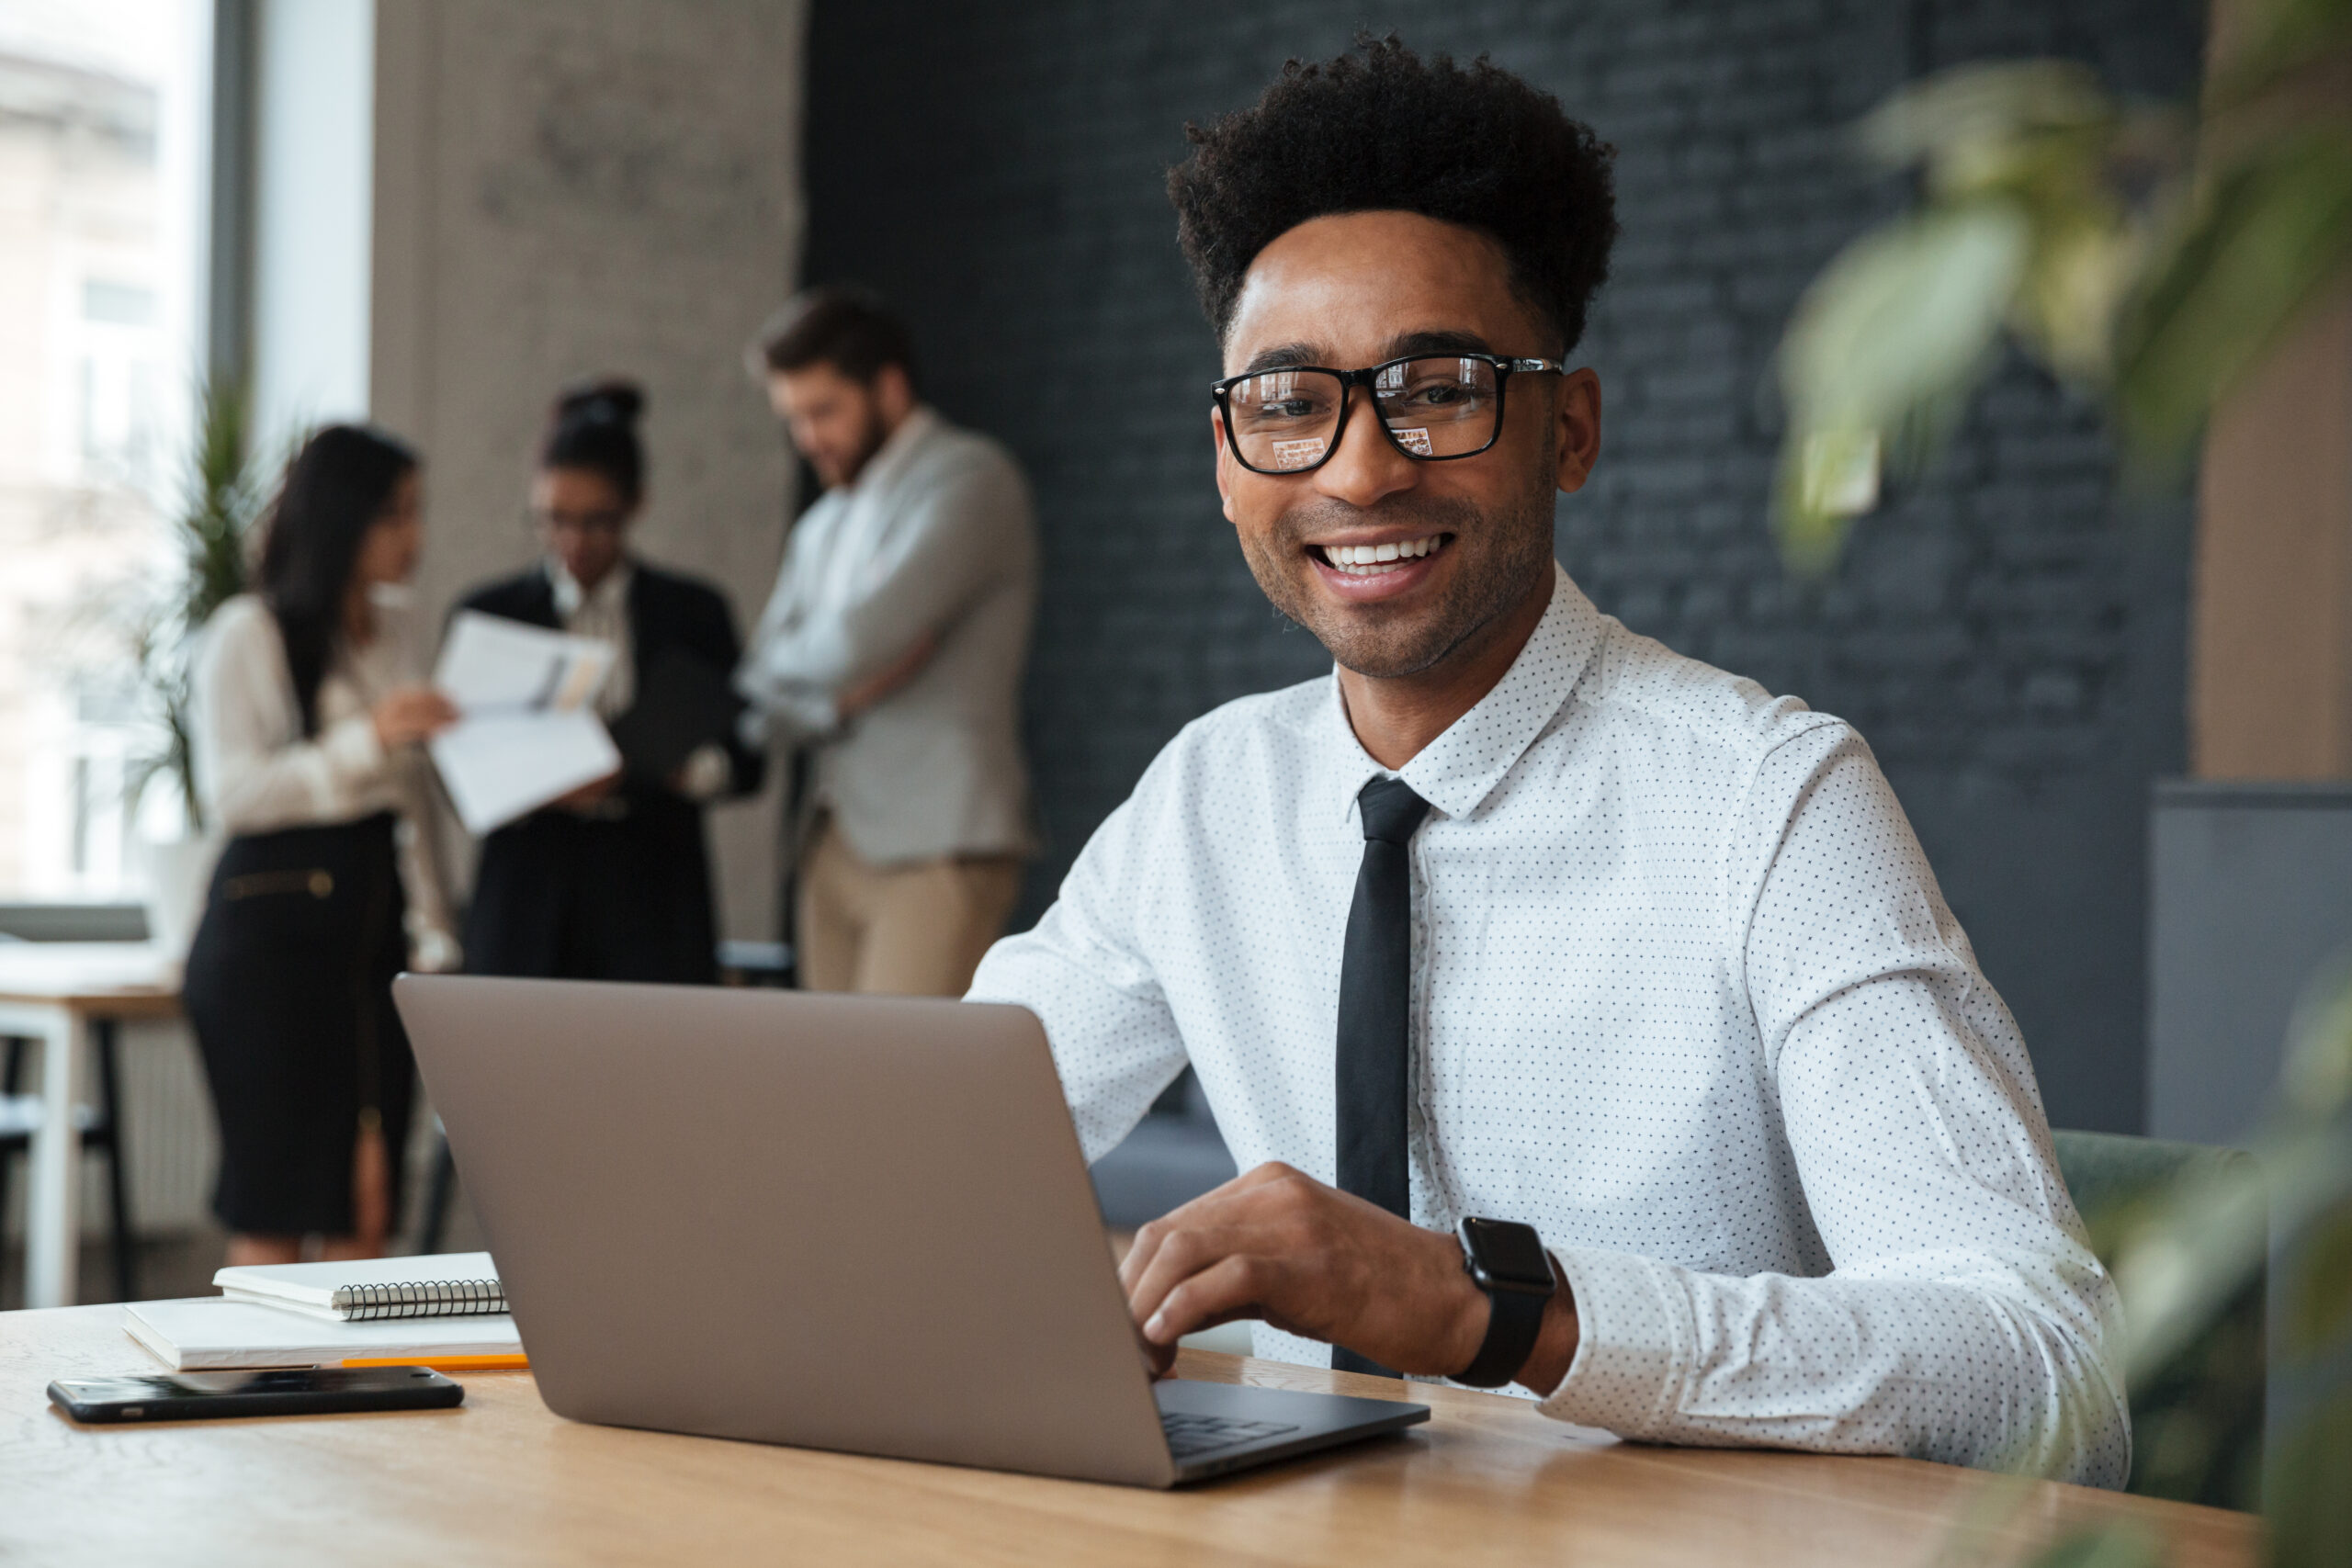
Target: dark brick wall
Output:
[(2006, 633)]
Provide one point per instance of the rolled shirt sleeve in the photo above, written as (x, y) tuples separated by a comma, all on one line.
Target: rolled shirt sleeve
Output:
[(1967, 1319), (945, 540), (782, 711)]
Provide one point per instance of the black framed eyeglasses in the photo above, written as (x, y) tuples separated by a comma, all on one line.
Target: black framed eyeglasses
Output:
[(1433, 408)]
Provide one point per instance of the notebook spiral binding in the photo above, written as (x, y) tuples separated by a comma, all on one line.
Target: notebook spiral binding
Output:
[(420, 1298)]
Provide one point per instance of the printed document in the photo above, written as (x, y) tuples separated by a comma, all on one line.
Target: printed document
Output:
[(530, 731)]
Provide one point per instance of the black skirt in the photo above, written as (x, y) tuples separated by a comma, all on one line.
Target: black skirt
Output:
[(288, 987)]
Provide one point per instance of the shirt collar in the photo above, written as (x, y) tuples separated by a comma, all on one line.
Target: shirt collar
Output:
[(1456, 771), (611, 592), (897, 449)]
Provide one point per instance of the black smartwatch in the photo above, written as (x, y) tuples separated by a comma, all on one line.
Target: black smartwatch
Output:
[(1507, 1261)]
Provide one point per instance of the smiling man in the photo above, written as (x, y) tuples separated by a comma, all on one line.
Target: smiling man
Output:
[(1583, 1017)]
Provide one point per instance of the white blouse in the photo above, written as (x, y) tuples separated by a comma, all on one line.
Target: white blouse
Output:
[(256, 772)]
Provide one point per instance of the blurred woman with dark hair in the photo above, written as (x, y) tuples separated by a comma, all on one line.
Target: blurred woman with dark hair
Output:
[(307, 715), (613, 881)]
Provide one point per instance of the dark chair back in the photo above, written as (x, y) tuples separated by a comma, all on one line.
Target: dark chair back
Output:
[(2196, 1421)]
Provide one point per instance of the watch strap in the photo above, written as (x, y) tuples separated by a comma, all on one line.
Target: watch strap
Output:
[(1514, 1320)]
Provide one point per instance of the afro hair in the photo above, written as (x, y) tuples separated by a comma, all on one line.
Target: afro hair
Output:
[(1381, 130)]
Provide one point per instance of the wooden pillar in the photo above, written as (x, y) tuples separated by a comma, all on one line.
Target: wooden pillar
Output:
[(2270, 681), (2270, 630)]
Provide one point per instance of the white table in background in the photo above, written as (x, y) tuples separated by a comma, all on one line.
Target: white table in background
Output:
[(57, 993)]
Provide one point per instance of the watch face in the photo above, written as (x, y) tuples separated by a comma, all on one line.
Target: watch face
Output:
[(1509, 1253)]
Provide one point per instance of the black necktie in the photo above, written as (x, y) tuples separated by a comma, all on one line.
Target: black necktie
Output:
[(1375, 1064)]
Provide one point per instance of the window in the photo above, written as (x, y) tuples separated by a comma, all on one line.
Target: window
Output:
[(102, 108)]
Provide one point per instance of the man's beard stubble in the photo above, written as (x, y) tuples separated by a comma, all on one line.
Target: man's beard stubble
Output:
[(868, 445), (1502, 554)]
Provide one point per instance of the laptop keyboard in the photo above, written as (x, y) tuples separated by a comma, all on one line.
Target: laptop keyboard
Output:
[(1192, 1436)]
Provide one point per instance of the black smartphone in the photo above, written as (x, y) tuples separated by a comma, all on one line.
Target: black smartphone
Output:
[(301, 1391)]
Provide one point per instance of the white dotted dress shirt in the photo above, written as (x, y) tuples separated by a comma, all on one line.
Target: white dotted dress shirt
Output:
[(1685, 998)]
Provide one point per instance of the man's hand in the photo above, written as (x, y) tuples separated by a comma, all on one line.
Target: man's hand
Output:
[(1276, 1244), (859, 695)]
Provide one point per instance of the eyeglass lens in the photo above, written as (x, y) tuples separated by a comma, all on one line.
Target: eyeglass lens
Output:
[(1441, 406)]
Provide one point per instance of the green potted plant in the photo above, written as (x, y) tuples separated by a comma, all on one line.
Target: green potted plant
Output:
[(221, 495), (2146, 255), (2153, 257)]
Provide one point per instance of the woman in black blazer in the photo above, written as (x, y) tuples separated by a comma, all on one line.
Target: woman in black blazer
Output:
[(613, 881)]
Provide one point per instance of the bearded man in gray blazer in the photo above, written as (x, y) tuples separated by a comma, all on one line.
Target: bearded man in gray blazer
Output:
[(893, 645)]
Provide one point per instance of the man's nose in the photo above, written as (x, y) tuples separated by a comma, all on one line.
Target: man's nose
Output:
[(1366, 467)]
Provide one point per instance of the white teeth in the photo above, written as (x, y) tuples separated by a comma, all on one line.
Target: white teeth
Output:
[(1366, 560)]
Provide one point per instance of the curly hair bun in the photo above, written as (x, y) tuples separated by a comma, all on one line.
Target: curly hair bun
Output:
[(606, 400), (1382, 130), (594, 426)]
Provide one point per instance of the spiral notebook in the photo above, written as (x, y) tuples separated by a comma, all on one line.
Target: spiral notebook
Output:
[(218, 1333), (448, 1284)]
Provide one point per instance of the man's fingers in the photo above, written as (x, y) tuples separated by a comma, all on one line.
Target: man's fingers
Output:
[(1206, 1209), (1181, 1254), (1231, 1288), (1203, 1211), (1141, 1252), (1157, 1358), (1241, 1219)]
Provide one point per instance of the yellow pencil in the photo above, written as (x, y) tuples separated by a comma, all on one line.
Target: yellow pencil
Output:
[(445, 1363)]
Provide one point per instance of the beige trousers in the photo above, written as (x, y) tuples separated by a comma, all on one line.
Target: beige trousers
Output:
[(906, 930)]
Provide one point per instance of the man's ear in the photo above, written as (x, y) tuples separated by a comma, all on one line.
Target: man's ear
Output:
[(1577, 428), (894, 394), (1224, 465)]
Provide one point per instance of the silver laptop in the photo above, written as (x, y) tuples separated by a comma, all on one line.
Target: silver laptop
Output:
[(841, 1222)]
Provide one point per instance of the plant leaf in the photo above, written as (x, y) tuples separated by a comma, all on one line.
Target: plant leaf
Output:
[(2307, 1506), (1904, 315), (2083, 264), (2319, 1309), (2275, 231), (220, 498), (2286, 39), (1971, 124), (1889, 341), (2315, 1083)]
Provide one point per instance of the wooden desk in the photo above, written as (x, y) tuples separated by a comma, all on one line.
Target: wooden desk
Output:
[(57, 993), (502, 1481)]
